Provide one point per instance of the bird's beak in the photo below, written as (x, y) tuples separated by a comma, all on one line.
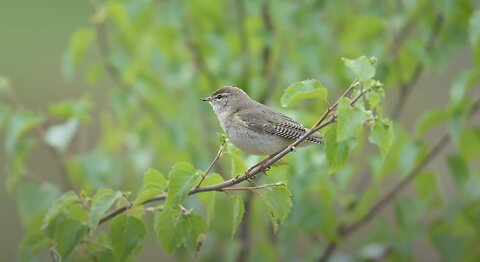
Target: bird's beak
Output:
[(208, 98)]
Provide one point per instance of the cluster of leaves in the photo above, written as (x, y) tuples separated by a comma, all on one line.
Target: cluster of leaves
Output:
[(160, 57), (71, 220)]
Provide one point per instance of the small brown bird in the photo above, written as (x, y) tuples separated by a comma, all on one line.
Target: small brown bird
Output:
[(254, 127)]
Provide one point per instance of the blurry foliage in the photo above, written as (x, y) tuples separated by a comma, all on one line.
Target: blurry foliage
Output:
[(154, 59)]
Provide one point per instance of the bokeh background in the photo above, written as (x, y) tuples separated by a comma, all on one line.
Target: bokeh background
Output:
[(163, 55)]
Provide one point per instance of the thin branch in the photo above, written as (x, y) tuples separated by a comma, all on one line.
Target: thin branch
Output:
[(334, 106), (58, 159), (55, 255), (257, 168), (104, 50), (407, 29), (251, 188), (391, 195), (198, 59), (328, 252), (243, 38), (214, 161), (407, 87), (267, 70), (244, 229)]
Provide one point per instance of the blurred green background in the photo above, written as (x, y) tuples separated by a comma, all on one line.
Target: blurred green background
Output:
[(150, 115), (35, 36)]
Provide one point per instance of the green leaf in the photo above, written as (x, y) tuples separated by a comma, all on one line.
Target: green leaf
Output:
[(430, 119), (154, 183), (68, 235), (364, 202), (196, 237), (449, 246), (77, 212), (474, 29), (33, 201), (238, 165), (101, 202), (328, 220), (302, 90), (350, 120), (32, 244), (127, 234), (95, 72), (408, 157), (18, 161), (146, 192), (172, 227), (58, 206), (238, 211), (459, 169), (19, 124), (462, 85), (212, 179), (426, 185), (456, 124), (75, 55), (337, 153), (208, 198), (79, 43), (381, 134), (362, 67), (155, 177), (182, 177), (374, 97), (408, 213), (5, 87), (79, 109), (278, 200), (59, 136), (470, 143)]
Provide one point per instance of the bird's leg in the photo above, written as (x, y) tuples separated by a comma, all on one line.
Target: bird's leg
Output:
[(261, 163), (264, 171)]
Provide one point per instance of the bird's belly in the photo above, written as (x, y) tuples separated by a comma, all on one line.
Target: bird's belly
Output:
[(256, 143)]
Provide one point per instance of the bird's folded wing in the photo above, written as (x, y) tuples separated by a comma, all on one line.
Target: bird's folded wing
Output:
[(275, 123)]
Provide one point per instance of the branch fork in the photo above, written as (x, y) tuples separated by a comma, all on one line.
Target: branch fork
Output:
[(260, 167)]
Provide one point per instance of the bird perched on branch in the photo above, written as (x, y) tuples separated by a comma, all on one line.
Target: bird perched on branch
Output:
[(254, 127)]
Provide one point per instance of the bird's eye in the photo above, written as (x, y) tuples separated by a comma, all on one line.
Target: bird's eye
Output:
[(218, 96)]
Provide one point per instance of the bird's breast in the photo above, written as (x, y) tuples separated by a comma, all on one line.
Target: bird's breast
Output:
[(255, 143)]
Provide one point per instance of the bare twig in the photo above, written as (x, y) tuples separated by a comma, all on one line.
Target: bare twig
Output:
[(258, 168), (214, 161)]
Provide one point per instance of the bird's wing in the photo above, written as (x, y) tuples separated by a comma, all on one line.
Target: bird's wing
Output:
[(265, 119)]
